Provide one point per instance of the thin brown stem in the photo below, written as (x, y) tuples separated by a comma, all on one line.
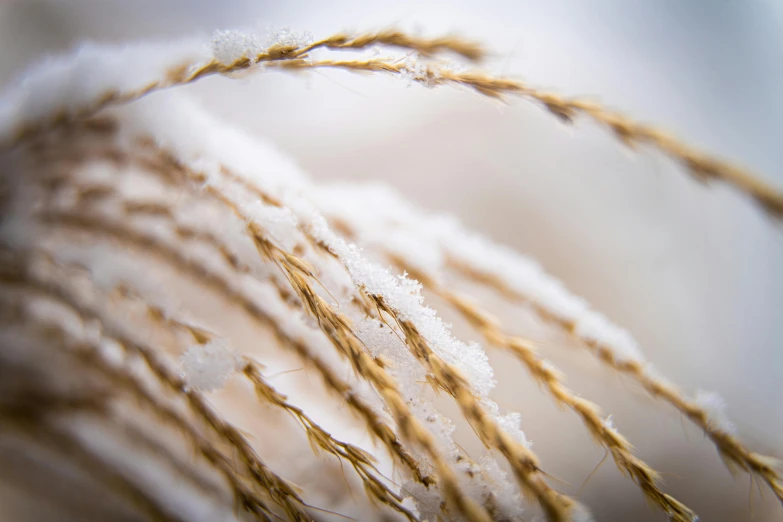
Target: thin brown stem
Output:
[(279, 490), (729, 446), (547, 376), (89, 354)]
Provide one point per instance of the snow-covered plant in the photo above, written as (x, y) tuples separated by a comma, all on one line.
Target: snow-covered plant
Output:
[(144, 241)]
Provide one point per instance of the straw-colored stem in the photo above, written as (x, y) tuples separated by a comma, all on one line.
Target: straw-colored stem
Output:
[(89, 354), (620, 449), (523, 462), (279, 490), (702, 166), (396, 38), (45, 433), (730, 448), (410, 428), (340, 387), (321, 440), (337, 328)]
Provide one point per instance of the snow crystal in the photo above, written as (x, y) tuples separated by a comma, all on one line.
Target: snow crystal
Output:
[(715, 406), (510, 424), (594, 327), (86, 75), (378, 214), (229, 47), (208, 366), (288, 38), (279, 223), (414, 70)]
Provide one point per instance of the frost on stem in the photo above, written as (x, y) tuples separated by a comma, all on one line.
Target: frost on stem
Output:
[(232, 46), (416, 70), (288, 38), (208, 366), (715, 406), (381, 218)]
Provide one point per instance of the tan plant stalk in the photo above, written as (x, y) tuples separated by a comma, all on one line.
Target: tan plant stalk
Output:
[(44, 432), (702, 166), (621, 450), (279, 490), (361, 461), (336, 329), (523, 462), (141, 208), (186, 73), (343, 389), (321, 440), (396, 38), (730, 448), (89, 354)]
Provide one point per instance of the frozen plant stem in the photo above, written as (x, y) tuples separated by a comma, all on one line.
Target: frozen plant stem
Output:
[(295, 57), (188, 197)]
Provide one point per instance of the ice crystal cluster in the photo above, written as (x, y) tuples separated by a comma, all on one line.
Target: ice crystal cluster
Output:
[(162, 270)]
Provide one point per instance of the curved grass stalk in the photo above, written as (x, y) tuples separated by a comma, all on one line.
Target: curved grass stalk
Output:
[(340, 387), (336, 329), (321, 440), (46, 434), (294, 57), (279, 490), (89, 354), (362, 462), (729, 447), (522, 461), (543, 372)]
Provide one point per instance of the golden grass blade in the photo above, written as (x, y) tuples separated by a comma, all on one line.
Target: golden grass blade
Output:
[(89, 354), (547, 376), (702, 166), (729, 447), (279, 490)]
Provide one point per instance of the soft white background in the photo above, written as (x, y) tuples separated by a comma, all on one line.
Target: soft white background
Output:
[(695, 273)]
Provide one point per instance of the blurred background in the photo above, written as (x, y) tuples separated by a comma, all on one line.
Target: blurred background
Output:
[(695, 273)]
